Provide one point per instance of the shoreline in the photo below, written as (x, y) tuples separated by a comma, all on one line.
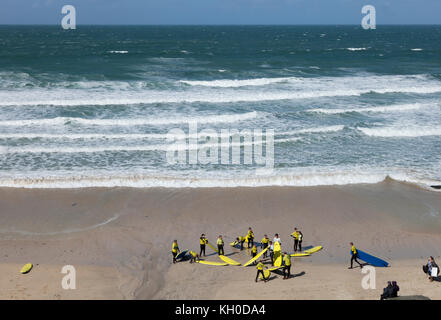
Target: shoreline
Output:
[(129, 257)]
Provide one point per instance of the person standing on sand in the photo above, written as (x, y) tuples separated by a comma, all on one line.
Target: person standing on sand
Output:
[(300, 240), (254, 252), (175, 250), (250, 236), (260, 266), (203, 242), (429, 266), (295, 235), (264, 243), (287, 267), (220, 246), (354, 255), (277, 239)]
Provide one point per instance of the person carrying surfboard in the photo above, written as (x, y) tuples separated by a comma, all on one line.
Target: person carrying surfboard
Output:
[(287, 267), (220, 246), (175, 250), (203, 241), (250, 236), (260, 266), (354, 255), (194, 257), (264, 243)]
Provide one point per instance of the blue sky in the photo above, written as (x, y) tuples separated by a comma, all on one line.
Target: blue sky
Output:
[(220, 11)]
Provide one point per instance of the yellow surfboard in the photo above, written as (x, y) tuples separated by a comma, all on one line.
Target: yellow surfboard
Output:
[(274, 268), (229, 261), (212, 263), (300, 254), (312, 250), (256, 257), (277, 254), (266, 272), (26, 268), (209, 244)]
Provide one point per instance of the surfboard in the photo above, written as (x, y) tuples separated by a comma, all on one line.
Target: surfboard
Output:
[(256, 257), (209, 244), (274, 268), (26, 268), (312, 250), (374, 261), (299, 254), (229, 261), (212, 263), (277, 254), (181, 254), (266, 272)]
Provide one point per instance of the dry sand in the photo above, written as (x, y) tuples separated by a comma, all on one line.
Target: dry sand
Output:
[(119, 240)]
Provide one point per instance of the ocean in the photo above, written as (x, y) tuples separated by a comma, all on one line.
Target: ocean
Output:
[(92, 107)]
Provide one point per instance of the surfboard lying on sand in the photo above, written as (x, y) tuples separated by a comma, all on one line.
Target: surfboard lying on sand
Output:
[(300, 254), (209, 244), (229, 261), (312, 250), (256, 257), (26, 268), (274, 268), (181, 254), (212, 263), (374, 261), (266, 272)]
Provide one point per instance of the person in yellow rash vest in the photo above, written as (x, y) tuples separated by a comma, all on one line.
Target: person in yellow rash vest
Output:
[(260, 266), (264, 243), (175, 250), (194, 257), (287, 267), (254, 252), (295, 235), (354, 255), (240, 240), (220, 246), (203, 241), (250, 236)]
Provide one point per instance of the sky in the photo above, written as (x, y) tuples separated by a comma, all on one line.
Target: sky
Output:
[(153, 12)]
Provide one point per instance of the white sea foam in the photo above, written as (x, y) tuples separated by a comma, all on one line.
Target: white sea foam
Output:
[(314, 130), (391, 108), (356, 49), (416, 49), (119, 51), (404, 131), (236, 83), (226, 118)]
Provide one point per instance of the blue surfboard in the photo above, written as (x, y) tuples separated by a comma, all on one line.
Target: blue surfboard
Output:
[(181, 254), (374, 261)]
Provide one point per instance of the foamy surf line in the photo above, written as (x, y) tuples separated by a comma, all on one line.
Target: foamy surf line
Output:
[(404, 132), (379, 109), (140, 181)]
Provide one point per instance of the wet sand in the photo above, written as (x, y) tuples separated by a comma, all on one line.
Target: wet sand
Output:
[(119, 240)]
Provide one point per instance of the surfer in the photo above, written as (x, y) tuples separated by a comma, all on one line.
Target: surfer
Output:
[(354, 255), (260, 266), (254, 252), (287, 267), (220, 246), (295, 235), (250, 236), (203, 241), (194, 257), (175, 250), (264, 243)]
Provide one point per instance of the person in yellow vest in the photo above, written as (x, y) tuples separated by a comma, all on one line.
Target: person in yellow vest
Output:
[(264, 243), (354, 255), (260, 266), (250, 236), (295, 235), (203, 241), (241, 240), (287, 266), (175, 250), (220, 246), (254, 252), (194, 257)]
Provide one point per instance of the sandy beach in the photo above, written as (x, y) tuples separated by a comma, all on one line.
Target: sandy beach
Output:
[(119, 240)]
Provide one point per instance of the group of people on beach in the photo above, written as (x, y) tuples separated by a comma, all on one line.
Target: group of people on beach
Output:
[(265, 243)]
